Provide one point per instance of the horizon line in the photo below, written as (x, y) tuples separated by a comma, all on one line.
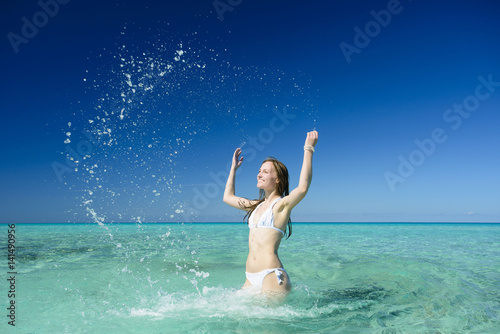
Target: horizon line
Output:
[(301, 222)]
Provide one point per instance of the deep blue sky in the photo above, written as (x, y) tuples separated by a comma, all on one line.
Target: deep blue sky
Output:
[(404, 85)]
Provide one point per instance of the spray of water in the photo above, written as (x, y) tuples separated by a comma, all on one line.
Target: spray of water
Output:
[(147, 108)]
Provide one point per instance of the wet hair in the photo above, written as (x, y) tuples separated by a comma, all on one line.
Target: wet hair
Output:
[(282, 189)]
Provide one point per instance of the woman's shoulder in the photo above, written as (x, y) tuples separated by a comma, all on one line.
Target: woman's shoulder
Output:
[(279, 204)]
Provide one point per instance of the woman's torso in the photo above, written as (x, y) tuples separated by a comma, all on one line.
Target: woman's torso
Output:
[(263, 242)]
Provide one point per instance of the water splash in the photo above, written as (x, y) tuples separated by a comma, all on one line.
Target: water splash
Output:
[(224, 303), (150, 106), (154, 103)]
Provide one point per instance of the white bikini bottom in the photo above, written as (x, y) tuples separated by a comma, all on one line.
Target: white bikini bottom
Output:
[(256, 279)]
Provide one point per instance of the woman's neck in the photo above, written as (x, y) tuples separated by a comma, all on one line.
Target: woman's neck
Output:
[(271, 195)]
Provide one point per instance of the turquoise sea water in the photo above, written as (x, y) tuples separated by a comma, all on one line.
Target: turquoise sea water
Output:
[(185, 278)]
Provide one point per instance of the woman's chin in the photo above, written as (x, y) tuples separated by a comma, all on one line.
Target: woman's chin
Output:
[(260, 185)]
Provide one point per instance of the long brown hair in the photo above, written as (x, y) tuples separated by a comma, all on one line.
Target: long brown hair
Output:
[(282, 189)]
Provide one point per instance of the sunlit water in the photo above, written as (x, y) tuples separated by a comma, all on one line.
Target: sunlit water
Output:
[(185, 278)]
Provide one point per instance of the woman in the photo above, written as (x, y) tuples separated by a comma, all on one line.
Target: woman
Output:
[(269, 217)]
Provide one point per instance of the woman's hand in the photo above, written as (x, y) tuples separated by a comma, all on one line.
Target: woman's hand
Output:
[(237, 161), (312, 138)]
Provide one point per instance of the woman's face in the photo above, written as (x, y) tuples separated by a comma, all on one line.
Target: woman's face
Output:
[(267, 178)]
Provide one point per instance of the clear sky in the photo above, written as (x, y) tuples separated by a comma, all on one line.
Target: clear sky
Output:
[(126, 111)]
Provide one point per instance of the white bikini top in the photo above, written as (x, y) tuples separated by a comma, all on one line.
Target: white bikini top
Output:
[(266, 219)]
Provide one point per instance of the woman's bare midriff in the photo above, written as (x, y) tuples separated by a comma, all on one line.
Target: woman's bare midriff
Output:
[(263, 246)]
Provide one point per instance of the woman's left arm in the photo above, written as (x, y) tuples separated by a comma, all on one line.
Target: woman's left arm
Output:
[(300, 192)]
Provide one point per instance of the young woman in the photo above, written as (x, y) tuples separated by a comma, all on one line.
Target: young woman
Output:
[(269, 217)]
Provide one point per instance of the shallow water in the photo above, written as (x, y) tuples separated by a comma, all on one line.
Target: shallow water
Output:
[(174, 278)]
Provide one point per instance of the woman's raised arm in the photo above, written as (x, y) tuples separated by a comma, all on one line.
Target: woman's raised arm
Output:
[(229, 193), (300, 192)]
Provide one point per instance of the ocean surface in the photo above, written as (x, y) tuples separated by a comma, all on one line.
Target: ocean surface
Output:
[(185, 278)]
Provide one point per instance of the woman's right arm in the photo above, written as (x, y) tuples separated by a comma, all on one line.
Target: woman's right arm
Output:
[(229, 196)]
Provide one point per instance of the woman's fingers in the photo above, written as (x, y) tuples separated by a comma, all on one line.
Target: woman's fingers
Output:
[(312, 138), (236, 157), (237, 153)]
